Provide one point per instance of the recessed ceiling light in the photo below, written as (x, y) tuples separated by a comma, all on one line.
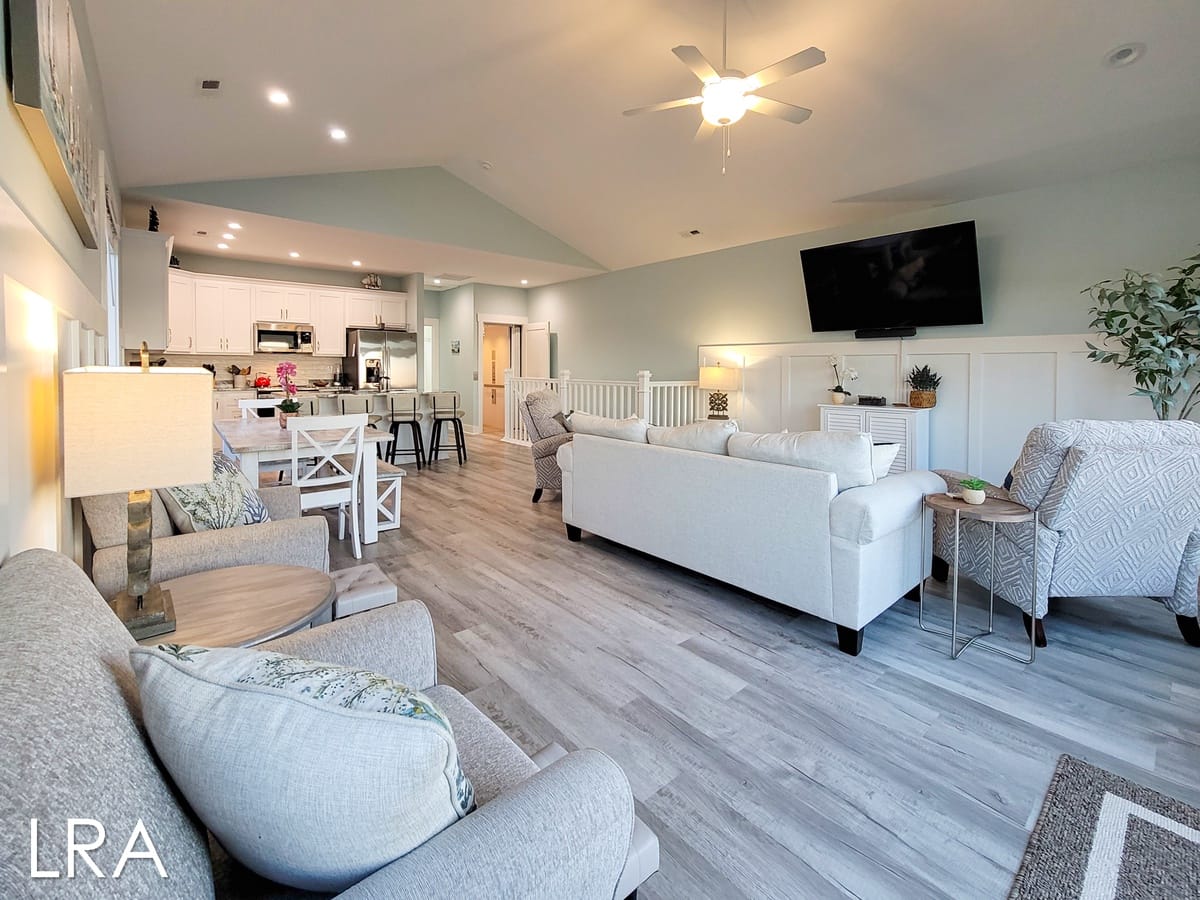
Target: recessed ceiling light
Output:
[(294, 255), (338, 134), (524, 281), (222, 246), (1124, 55), (437, 281), (278, 97), (235, 226), (356, 262), (229, 236)]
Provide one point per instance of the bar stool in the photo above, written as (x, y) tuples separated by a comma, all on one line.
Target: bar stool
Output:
[(447, 408), (403, 408), (358, 404)]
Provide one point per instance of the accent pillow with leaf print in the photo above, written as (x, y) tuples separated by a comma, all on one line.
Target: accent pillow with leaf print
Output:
[(228, 500), (310, 774)]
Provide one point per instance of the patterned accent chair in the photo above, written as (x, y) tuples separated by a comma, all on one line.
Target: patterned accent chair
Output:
[(541, 412), (1119, 509)]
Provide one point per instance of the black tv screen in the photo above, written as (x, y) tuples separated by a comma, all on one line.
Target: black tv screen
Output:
[(912, 279)]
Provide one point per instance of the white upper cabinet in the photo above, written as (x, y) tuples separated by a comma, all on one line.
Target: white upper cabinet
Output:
[(223, 322), (375, 311), (277, 303), (329, 323), (181, 313)]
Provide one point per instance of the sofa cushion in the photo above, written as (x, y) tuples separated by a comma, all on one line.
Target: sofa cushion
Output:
[(704, 437), (631, 429), (228, 500), (309, 774), (882, 457), (72, 744), (846, 454), (107, 517)]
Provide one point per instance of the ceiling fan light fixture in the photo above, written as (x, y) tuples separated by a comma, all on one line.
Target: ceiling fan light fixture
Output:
[(725, 101)]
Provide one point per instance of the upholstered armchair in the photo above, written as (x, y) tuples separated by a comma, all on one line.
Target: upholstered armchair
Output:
[(541, 412), (1119, 511)]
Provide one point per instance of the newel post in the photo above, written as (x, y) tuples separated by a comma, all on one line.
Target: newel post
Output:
[(643, 394), (564, 387)]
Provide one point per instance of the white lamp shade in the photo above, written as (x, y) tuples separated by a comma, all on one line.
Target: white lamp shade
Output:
[(125, 429), (720, 378)]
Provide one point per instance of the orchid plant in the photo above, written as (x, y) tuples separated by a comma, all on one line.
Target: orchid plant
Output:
[(286, 372), (841, 374)]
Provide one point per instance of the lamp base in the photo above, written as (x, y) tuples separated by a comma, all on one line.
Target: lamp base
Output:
[(156, 615)]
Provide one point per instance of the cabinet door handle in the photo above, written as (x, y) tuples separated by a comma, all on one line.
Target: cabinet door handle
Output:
[(189, 343), (169, 333)]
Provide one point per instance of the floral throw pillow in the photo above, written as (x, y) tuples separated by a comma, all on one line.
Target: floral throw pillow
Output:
[(228, 500), (310, 774)]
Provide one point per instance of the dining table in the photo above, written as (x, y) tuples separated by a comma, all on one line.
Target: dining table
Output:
[(260, 444)]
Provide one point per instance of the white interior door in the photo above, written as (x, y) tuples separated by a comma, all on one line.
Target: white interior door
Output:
[(536, 350)]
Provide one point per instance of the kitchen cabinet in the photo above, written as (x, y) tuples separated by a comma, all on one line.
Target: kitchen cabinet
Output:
[(329, 323), (364, 311), (223, 317), (181, 314), (277, 303), (143, 276)]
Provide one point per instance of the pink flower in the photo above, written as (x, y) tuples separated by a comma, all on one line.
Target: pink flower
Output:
[(286, 372)]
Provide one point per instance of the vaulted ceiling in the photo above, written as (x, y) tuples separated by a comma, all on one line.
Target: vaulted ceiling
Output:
[(919, 103)]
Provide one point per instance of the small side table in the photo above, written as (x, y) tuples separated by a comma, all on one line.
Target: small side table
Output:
[(993, 511)]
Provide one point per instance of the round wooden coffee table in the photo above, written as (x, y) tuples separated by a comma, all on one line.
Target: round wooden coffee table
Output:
[(993, 511), (245, 605)]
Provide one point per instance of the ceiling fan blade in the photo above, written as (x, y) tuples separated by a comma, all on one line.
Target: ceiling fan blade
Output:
[(777, 109), (797, 62), (669, 104), (704, 132), (694, 60)]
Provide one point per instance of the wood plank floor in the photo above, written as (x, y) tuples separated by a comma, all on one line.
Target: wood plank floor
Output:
[(769, 763)]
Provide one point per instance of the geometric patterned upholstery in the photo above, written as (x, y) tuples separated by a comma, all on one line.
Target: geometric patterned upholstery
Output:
[(1119, 508), (546, 435)]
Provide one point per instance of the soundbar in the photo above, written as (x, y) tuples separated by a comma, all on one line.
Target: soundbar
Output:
[(902, 331)]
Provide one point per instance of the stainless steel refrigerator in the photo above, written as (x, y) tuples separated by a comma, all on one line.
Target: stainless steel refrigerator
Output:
[(378, 358)]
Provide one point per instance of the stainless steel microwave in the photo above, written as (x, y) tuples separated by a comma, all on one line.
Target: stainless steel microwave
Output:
[(282, 337)]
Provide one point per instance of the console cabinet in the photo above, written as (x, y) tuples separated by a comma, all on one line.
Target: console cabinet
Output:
[(901, 425)]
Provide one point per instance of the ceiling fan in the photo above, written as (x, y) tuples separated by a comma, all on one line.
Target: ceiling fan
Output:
[(728, 94)]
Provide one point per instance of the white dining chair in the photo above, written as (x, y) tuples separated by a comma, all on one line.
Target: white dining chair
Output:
[(336, 443), (250, 408)]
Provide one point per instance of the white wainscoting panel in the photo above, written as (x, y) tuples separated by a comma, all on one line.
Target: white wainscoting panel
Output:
[(994, 390)]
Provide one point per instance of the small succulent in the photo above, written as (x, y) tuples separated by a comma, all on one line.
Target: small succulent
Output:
[(974, 484), (922, 378)]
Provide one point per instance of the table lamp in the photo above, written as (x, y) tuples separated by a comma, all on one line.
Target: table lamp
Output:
[(719, 380), (132, 430)]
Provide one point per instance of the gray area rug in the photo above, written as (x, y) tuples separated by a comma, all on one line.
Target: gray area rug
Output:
[(1101, 836)]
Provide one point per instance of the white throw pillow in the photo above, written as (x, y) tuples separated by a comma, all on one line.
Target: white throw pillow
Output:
[(705, 437), (882, 457), (226, 501), (846, 454), (311, 775), (631, 429)]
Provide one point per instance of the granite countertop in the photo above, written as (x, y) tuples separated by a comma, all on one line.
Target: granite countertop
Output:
[(315, 392)]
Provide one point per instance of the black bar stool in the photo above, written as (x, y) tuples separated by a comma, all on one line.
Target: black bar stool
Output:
[(447, 408), (403, 408), (360, 403)]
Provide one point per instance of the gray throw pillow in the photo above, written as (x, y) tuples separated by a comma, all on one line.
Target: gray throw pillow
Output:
[(311, 775)]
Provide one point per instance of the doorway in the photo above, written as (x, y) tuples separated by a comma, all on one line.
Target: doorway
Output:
[(496, 357)]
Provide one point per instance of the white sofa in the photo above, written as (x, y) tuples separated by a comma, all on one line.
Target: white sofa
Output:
[(780, 531)]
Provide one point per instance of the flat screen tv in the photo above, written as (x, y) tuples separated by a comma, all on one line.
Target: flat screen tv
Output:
[(897, 281)]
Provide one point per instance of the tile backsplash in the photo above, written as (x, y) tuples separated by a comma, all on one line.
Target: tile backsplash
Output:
[(307, 367)]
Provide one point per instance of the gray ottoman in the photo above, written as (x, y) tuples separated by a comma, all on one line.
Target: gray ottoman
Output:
[(361, 588)]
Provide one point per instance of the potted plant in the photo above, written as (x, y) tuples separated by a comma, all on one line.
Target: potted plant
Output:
[(286, 372), (1156, 324), (841, 374), (974, 490), (923, 384)]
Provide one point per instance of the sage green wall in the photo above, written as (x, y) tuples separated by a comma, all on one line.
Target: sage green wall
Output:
[(249, 268), (457, 323), (1037, 249)]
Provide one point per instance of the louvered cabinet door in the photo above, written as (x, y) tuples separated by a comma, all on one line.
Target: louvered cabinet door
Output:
[(901, 425)]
